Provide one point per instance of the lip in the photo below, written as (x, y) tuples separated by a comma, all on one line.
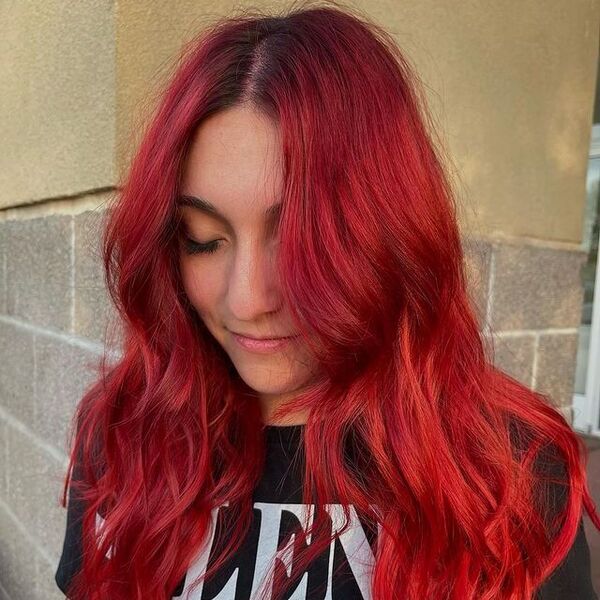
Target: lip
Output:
[(262, 345)]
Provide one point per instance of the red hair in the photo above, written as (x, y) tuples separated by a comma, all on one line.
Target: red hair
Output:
[(447, 448)]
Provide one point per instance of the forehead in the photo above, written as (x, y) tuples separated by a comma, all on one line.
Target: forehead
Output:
[(234, 166)]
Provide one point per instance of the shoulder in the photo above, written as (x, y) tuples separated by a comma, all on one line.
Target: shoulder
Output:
[(572, 578), (72, 548)]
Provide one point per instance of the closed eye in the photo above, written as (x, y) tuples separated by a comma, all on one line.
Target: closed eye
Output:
[(194, 247)]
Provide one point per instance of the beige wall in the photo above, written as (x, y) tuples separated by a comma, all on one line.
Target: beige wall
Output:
[(57, 99), (511, 85)]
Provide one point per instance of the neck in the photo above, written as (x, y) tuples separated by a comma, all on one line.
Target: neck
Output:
[(269, 406)]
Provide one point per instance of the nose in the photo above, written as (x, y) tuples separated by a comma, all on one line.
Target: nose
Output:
[(252, 287)]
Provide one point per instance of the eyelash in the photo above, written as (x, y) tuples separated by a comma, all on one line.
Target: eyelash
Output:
[(193, 247)]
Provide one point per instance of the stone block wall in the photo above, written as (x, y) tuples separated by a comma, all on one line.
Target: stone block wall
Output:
[(529, 298), (54, 318)]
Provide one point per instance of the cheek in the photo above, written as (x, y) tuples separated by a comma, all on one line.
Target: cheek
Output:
[(202, 288)]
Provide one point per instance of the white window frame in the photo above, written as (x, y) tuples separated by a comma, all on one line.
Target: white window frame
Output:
[(586, 407)]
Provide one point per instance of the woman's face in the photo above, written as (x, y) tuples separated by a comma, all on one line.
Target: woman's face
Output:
[(229, 197)]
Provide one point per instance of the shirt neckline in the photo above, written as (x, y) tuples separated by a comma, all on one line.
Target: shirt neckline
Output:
[(284, 435)]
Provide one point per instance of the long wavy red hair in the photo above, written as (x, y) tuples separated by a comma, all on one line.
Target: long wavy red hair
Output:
[(446, 447)]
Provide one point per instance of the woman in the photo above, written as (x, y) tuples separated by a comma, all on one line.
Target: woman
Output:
[(304, 407)]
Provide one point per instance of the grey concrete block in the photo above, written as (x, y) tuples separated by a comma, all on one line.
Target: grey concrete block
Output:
[(477, 262), (63, 372), (514, 355), (556, 363), (567, 413), (39, 270), (34, 490), (17, 559), (536, 288), (17, 371), (93, 309)]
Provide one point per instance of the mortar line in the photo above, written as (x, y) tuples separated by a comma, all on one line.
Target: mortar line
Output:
[(490, 291), (72, 261), (534, 366), (66, 337), (51, 450), (529, 332)]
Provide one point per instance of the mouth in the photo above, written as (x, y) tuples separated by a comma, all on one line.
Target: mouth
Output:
[(262, 345)]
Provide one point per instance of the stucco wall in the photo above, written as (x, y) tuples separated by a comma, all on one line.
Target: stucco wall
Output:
[(57, 99)]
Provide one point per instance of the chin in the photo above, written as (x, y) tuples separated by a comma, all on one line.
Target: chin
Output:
[(265, 379), (267, 386)]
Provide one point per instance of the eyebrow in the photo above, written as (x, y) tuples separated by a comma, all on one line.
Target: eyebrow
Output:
[(271, 214)]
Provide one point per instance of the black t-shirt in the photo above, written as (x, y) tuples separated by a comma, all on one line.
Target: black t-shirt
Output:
[(342, 572)]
